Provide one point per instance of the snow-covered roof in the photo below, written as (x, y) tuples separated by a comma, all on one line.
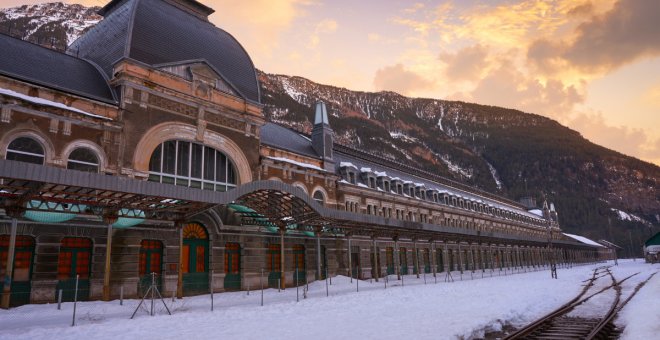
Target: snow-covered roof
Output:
[(537, 212), (584, 240), (380, 173), (363, 169), (294, 162), (41, 101), (347, 164)]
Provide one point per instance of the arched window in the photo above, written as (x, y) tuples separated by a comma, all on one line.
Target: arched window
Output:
[(192, 165), (318, 197), (25, 149), (83, 159)]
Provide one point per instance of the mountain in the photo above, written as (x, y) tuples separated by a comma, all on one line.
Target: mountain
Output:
[(598, 192), (54, 25)]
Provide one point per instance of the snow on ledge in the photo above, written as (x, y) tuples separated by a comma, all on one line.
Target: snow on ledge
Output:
[(41, 101), (300, 164), (347, 164), (536, 212), (584, 240)]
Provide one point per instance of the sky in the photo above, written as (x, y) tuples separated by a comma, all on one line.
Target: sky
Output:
[(593, 65)]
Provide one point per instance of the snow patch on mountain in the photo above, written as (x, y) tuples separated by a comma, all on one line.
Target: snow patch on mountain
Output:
[(496, 177), (74, 19), (624, 216)]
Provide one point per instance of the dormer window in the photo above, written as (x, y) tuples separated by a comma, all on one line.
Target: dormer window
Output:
[(351, 178), (372, 182)]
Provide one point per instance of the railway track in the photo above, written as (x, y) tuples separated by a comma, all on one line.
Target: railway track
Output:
[(561, 325)]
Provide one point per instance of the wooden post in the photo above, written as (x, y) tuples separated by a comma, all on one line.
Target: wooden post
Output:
[(376, 264), (282, 280), (179, 281), (432, 252), (318, 254), (416, 257), (350, 254), (6, 289), (397, 265), (108, 255)]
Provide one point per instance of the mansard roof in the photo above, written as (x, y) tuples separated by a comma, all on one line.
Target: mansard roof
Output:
[(38, 65), (284, 138), (158, 32)]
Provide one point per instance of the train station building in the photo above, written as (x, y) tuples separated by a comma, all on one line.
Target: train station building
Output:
[(143, 149)]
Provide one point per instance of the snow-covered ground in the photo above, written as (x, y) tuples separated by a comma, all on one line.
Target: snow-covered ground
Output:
[(460, 309)]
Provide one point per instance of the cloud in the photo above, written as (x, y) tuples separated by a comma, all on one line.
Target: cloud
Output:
[(630, 141), (325, 26), (626, 33), (397, 78), (414, 8), (260, 23), (466, 64), (507, 86)]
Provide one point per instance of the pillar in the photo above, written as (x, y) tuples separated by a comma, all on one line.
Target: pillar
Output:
[(282, 277), (416, 257), (350, 260), (179, 279), (432, 252), (319, 275), (107, 272), (6, 290), (397, 264), (376, 268)]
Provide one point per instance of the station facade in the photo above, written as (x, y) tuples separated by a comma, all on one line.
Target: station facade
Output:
[(143, 149)]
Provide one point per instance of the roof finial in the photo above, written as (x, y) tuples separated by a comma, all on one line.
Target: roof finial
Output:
[(321, 115)]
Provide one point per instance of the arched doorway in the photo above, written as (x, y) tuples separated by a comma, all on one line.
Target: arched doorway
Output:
[(74, 260), (232, 266), (195, 259), (22, 274), (151, 261), (299, 265)]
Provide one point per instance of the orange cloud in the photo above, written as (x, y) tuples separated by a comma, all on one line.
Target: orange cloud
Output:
[(634, 142), (397, 78), (628, 32), (466, 64)]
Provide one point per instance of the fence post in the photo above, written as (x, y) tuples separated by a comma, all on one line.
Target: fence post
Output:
[(121, 295), (297, 295), (211, 290), (278, 285), (261, 281), (327, 291), (59, 300), (75, 301)]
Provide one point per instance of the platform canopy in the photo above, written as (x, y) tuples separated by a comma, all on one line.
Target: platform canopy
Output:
[(30, 187)]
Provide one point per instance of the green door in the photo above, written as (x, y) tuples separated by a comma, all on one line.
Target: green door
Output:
[(324, 263), (427, 261), (389, 258), (74, 259), (451, 259), (355, 262), (375, 263), (151, 261), (195, 259), (439, 261), (21, 284), (299, 265), (274, 265), (403, 261), (232, 266)]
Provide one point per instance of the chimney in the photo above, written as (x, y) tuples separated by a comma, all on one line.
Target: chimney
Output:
[(322, 136)]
